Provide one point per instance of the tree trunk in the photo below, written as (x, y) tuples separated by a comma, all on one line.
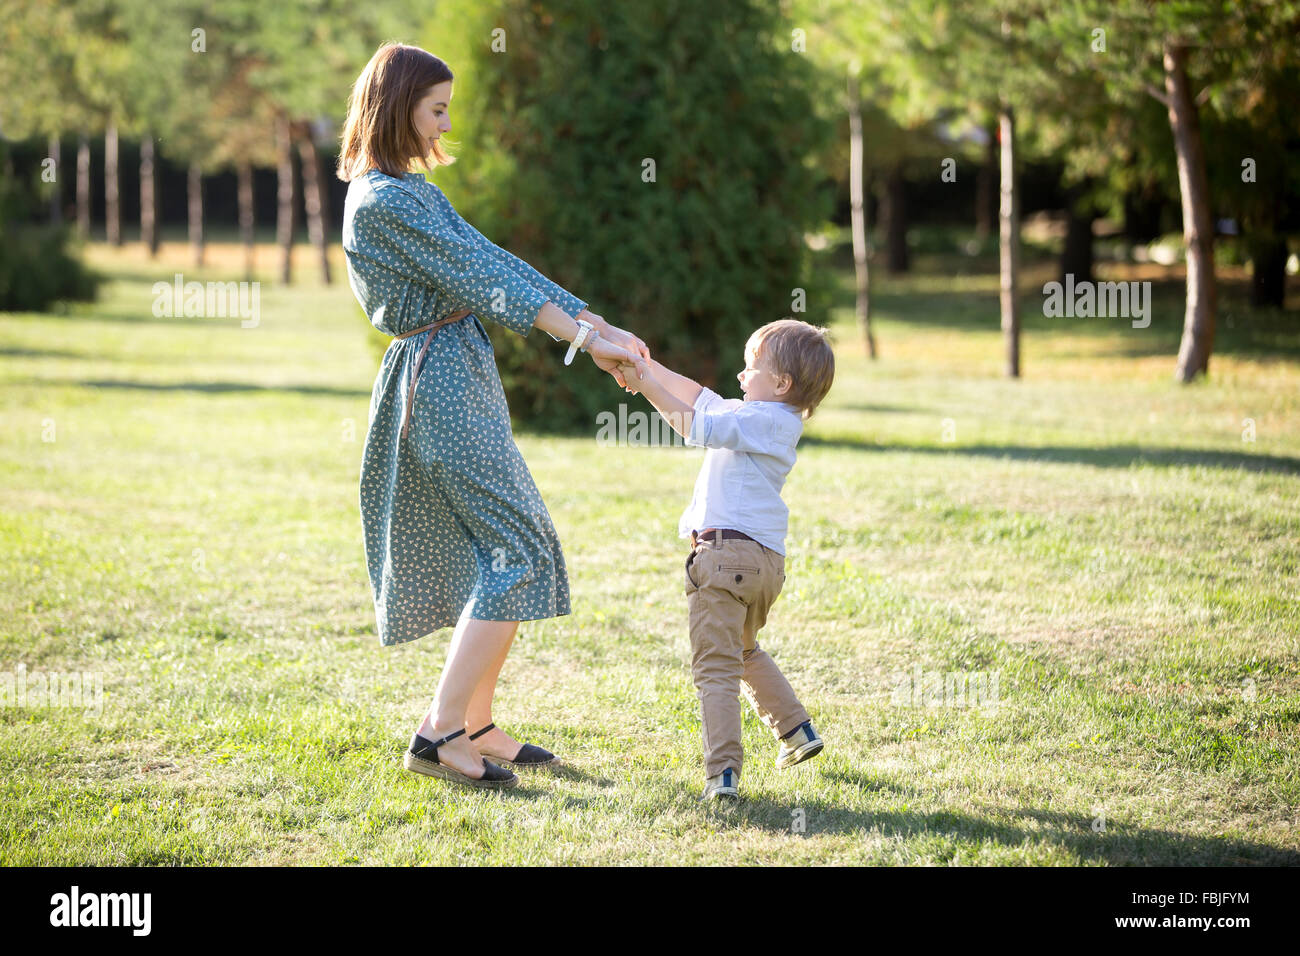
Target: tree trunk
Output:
[(1076, 257), (112, 194), (285, 218), (1198, 228), (1009, 242), (196, 212), (986, 197), (56, 197), (83, 187), (246, 215), (859, 219), (895, 216), (1268, 253), (313, 195), (148, 207)]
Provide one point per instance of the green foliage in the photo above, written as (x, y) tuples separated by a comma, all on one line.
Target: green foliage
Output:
[(556, 135), (37, 266)]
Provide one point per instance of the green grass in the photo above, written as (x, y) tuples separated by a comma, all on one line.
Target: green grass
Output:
[(1101, 538)]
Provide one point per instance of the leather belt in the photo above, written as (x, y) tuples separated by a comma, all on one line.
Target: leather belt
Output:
[(419, 361), (719, 535)]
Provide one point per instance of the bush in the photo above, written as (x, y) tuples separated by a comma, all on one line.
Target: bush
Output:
[(37, 269), (555, 134), (37, 266)]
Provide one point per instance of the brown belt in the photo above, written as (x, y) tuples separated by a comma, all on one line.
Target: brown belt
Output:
[(718, 535), (419, 361)]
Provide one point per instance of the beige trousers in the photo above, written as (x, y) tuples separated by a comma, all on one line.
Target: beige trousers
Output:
[(729, 589)]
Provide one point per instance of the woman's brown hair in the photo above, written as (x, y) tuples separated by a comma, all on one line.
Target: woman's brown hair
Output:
[(379, 133)]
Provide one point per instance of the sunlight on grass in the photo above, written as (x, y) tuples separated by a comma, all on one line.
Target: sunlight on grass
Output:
[(179, 518)]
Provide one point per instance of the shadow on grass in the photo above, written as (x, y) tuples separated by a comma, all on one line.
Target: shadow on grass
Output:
[(76, 312), (1104, 456), (1242, 330), (224, 387), (1119, 843), (13, 352)]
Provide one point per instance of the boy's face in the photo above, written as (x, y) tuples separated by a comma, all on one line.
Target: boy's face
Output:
[(759, 381)]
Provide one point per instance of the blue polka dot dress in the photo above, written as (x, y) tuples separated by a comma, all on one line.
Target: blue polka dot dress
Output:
[(452, 519)]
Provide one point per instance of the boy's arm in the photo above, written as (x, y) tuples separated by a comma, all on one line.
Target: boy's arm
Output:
[(679, 386), (671, 394)]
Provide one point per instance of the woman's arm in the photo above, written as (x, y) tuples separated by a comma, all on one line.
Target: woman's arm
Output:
[(568, 303), (555, 322), (394, 230), (614, 334), (607, 356)]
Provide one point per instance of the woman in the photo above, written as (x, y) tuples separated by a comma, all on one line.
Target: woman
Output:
[(455, 530)]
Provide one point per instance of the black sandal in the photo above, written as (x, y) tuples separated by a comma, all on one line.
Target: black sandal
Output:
[(422, 757), (529, 755)]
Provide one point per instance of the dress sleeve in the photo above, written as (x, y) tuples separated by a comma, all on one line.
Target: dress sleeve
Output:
[(561, 296), (558, 294), (406, 237)]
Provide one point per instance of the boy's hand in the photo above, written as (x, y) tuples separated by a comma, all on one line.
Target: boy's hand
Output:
[(635, 382)]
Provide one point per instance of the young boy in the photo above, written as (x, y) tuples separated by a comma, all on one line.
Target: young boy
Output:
[(737, 523)]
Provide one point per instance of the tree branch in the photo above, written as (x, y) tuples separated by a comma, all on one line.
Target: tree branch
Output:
[(1160, 97)]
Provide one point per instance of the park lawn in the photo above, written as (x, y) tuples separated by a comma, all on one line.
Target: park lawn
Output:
[(1112, 546)]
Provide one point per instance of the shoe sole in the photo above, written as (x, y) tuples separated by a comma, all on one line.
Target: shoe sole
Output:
[(727, 794), (431, 769), (554, 763), (800, 754)]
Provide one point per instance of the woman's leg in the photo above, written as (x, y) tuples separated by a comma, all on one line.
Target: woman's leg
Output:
[(496, 741), (478, 649)]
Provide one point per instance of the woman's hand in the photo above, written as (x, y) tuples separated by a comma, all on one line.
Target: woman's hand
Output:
[(613, 333), (608, 357)]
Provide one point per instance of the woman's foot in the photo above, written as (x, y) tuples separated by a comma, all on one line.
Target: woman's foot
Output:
[(459, 754), (495, 743), (512, 753)]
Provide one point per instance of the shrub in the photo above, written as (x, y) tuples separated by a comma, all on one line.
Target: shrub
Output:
[(37, 264), (555, 132)]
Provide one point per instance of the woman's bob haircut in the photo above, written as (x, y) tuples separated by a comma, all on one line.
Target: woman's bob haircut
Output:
[(379, 133)]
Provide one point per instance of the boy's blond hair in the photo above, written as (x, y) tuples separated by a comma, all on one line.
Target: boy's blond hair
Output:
[(801, 351)]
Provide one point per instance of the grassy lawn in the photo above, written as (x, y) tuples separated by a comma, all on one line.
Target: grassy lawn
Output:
[(178, 518)]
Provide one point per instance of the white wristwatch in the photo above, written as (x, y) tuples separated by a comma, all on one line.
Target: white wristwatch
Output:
[(585, 330)]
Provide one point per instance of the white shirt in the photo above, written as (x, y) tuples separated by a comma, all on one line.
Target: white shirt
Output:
[(751, 449)]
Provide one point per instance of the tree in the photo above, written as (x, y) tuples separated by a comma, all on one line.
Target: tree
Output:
[(659, 162), (299, 90), (885, 130), (1189, 55)]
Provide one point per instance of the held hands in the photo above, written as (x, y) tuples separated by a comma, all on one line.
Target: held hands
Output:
[(635, 377), (613, 359), (612, 333)]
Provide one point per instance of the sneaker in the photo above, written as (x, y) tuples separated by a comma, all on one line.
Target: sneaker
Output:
[(724, 785), (798, 745)]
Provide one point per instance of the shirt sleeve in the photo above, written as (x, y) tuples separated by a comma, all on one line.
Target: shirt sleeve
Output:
[(402, 235), (731, 423)]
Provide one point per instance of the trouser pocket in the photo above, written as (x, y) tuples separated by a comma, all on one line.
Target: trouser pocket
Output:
[(690, 582)]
